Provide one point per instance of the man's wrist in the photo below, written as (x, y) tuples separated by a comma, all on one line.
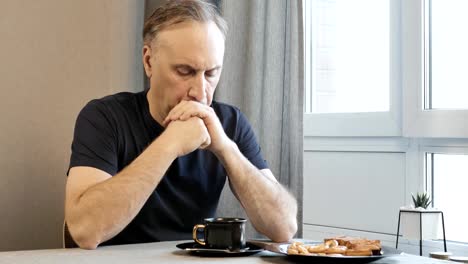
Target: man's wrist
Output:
[(167, 146), (226, 150)]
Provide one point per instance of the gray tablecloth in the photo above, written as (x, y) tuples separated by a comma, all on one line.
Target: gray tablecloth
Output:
[(162, 252)]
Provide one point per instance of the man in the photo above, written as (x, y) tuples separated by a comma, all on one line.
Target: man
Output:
[(148, 166)]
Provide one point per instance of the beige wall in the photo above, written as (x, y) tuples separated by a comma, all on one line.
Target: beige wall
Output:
[(55, 55)]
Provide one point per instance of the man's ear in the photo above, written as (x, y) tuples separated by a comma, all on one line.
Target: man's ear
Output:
[(147, 60)]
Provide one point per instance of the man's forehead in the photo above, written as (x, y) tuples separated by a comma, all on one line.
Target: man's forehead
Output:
[(194, 28), (198, 45), (189, 30)]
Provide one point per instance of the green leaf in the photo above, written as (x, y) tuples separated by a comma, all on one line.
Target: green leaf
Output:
[(421, 200)]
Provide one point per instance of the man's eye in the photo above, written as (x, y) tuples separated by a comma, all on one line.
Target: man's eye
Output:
[(211, 73), (184, 71)]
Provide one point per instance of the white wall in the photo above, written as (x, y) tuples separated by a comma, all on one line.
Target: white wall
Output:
[(365, 189), (55, 56)]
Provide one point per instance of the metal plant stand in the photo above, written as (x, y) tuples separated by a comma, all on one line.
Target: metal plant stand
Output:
[(420, 226)]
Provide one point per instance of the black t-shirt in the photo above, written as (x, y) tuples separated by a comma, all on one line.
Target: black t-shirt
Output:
[(112, 131)]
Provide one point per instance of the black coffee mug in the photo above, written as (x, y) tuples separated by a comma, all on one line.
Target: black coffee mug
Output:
[(222, 233)]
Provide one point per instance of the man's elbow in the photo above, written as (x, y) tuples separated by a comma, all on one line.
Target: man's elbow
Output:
[(285, 232), (83, 237), (87, 244)]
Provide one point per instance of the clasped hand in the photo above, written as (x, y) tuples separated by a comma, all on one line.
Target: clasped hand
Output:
[(195, 125)]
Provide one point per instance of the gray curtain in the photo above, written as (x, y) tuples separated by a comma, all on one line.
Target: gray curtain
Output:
[(263, 76)]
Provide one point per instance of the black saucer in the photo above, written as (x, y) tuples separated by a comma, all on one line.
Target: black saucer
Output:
[(197, 249)]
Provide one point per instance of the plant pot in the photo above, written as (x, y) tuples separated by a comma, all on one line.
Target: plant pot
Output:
[(412, 218)]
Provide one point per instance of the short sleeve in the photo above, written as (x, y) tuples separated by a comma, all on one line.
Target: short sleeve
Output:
[(247, 142), (94, 140)]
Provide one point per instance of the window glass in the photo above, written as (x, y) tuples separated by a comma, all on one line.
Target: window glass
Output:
[(448, 54), (449, 176), (347, 56)]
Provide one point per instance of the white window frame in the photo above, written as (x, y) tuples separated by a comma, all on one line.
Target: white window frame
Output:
[(418, 122), (415, 158), (440, 146), (370, 124)]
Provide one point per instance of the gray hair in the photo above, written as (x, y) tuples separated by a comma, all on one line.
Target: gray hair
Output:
[(178, 11)]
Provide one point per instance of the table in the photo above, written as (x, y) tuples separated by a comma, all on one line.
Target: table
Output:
[(161, 252)]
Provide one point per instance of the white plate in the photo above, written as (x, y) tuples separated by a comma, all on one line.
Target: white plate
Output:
[(283, 249)]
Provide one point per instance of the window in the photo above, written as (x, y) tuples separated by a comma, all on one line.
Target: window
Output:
[(434, 62), (435, 110), (349, 57), (447, 54), (447, 178), (352, 69), (420, 93)]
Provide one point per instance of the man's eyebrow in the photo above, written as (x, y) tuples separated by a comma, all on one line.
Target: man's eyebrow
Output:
[(183, 65), (215, 68), (194, 68)]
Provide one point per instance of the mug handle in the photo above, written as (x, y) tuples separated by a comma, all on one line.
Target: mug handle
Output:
[(194, 234)]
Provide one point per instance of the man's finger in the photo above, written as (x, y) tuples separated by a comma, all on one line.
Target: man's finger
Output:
[(206, 144)]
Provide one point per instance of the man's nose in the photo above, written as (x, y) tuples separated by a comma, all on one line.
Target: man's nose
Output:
[(197, 90)]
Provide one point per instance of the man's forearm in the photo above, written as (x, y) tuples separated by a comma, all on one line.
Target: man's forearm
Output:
[(271, 209), (104, 209)]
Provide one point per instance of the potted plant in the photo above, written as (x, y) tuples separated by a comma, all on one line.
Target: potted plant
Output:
[(418, 213), (422, 200)]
